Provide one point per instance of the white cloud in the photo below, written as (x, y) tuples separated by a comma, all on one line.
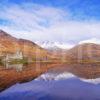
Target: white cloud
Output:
[(42, 23), (32, 21)]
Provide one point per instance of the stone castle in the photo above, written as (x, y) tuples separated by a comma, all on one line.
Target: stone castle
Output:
[(11, 56)]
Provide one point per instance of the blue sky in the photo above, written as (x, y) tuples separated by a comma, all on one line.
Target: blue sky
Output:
[(68, 21), (80, 9)]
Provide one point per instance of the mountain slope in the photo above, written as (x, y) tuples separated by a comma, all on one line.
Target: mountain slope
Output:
[(10, 45), (84, 52)]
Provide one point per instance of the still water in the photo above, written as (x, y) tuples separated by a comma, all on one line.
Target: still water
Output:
[(17, 67), (55, 85)]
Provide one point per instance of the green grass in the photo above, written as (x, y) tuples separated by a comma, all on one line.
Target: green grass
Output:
[(19, 61), (81, 61), (1, 63)]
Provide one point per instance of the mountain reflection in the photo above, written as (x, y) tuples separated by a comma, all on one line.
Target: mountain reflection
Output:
[(60, 83)]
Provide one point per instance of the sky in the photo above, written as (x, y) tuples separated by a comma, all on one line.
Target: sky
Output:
[(65, 21)]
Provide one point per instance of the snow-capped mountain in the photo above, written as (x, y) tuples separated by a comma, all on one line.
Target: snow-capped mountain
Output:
[(60, 45), (93, 40), (54, 45)]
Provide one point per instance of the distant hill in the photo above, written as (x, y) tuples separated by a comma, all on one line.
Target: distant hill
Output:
[(87, 52)]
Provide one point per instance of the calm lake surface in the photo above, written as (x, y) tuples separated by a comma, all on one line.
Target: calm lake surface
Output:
[(56, 84)]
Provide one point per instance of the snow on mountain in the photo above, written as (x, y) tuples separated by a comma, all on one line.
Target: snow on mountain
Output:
[(54, 45), (60, 45), (93, 40)]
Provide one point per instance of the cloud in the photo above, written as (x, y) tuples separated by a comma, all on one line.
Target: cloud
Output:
[(41, 23), (30, 19)]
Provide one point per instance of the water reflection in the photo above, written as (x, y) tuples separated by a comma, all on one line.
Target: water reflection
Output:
[(61, 82), (62, 86), (87, 71), (17, 67)]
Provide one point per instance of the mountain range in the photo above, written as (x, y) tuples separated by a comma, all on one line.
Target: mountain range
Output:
[(48, 50)]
